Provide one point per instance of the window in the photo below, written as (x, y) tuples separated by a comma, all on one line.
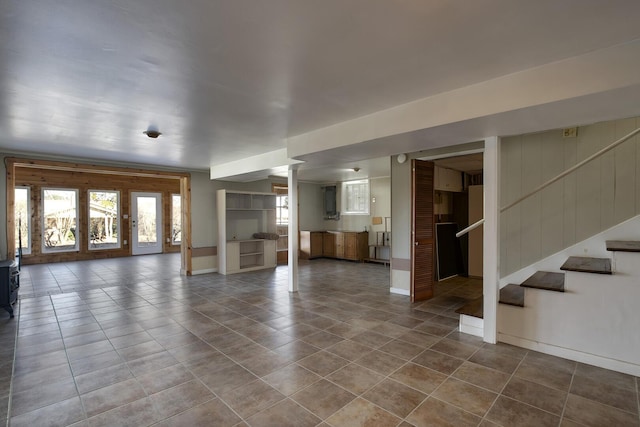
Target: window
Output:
[(355, 197), (176, 219), (60, 209), (22, 218), (104, 223), (282, 216)]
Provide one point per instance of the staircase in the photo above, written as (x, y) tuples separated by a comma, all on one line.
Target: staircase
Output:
[(574, 313)]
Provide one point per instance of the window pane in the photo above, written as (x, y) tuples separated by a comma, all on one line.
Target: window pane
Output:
[(356, 197), (60, 219), (282, 209), (22, 220), (176, 219), (147, 232), (104, 226)]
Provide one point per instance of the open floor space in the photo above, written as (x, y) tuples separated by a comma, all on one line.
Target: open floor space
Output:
[(129, 341)]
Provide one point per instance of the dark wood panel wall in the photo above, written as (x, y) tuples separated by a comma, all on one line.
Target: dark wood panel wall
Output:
[(43, 174)]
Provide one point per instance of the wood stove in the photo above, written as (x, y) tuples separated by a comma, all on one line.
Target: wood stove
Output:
[(9, 284)]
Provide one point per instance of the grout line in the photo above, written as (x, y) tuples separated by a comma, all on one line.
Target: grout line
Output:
[(564, 406)]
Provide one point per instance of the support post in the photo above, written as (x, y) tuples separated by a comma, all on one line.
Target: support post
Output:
[(491, 242), (293, 228)]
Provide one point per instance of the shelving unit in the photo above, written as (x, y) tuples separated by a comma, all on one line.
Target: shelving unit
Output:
[(381, 251), (240, 215)]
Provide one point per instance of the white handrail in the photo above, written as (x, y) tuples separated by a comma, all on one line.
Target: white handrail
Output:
[(469, 228), (610, 147), (571, 169)]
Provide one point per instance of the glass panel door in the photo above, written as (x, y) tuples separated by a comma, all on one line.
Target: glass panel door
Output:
[(146, 223)]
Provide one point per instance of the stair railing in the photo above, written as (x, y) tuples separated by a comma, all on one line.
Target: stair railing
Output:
[(573, 168)]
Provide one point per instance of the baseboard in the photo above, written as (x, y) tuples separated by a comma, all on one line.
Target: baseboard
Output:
[(567, 353), (471, 325), (204, 271), (400, 291)]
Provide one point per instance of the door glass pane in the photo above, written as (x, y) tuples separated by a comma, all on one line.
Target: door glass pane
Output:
[(176, 219), (147, 217), (60, 219), (21, 218), (104, 227)]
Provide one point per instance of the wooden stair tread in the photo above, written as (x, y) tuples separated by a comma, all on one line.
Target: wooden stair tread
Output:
[(623, 245), (473, 308), (587, 265), (512, 295), (546, 280)]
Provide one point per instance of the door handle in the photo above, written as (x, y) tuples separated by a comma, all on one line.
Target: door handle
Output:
[(416, 243)]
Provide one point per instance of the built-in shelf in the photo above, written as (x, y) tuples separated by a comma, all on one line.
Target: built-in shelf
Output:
[(240, 216)]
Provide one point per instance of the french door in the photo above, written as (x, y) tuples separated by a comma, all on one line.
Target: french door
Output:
[(146, 223)]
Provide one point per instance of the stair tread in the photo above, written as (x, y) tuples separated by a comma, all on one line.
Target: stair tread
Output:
[(512, 295), (587, 265), (473, 308), (546, 280), (623, 245)]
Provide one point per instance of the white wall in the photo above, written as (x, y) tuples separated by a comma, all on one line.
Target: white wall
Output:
[(599, 195)]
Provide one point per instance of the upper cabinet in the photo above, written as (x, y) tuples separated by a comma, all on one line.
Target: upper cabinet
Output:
[(447, 180)]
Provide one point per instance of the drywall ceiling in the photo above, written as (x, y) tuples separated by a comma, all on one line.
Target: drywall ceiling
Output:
[(224, 80)]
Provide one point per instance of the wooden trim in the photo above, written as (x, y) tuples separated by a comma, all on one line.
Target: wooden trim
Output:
[(401, 264), (92, 168), (186, 250), (11, 210), (206, 251)]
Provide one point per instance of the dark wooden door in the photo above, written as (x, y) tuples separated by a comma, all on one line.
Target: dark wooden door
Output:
[(422, 230)]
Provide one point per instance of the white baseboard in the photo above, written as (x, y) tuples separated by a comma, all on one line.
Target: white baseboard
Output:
[(400, 291), (204, 271), (566, 353), (471, 325)]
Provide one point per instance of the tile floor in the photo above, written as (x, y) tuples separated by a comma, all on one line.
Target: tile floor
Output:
[(131, 342)]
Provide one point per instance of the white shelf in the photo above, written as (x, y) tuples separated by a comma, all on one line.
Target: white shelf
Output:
[(240, 215)]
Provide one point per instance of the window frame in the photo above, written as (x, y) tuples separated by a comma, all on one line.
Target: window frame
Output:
[(119, 209), (48, 250), (179, 197), (346, 203)]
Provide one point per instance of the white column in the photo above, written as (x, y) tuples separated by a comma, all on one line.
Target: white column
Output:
[(491, 243), (293, 228)]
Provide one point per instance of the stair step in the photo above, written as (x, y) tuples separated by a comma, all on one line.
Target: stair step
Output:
[(623, 245), (545, 280), (512, 295), (473, 308), (587, 265)]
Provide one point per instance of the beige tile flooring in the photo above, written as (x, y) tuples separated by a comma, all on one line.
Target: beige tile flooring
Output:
[(131, 342)]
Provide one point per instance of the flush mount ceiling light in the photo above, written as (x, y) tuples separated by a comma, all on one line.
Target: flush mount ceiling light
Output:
[(152, 133), (356, 169)]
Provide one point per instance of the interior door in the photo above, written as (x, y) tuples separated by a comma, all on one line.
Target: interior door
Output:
[(422, 230), (146, 223)]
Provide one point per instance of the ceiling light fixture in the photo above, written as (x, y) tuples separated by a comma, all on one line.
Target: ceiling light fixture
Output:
[(356, 169), (152, 133)]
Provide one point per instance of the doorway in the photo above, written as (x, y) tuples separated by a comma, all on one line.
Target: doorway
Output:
[(146, 223)]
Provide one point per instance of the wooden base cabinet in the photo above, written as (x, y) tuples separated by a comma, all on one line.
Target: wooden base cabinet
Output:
[(351, 245), (311, 244)]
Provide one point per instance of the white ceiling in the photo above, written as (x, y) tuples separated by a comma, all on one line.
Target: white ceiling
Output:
[(225, 80)]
